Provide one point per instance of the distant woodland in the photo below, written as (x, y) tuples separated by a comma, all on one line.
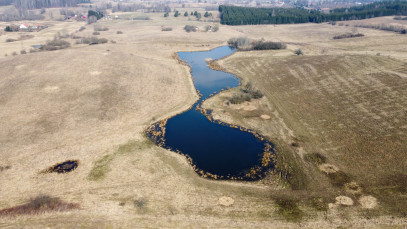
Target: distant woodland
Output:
[(234, 15), (38, 4)]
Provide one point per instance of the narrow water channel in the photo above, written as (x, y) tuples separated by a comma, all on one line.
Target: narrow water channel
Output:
[(215, 149)]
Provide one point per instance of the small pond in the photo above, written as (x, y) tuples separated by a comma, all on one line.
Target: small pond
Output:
[(216, 150)]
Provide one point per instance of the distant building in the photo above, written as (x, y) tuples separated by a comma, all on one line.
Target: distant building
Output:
[(24, 26)]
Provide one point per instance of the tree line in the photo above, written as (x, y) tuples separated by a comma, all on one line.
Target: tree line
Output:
[(236, 15)]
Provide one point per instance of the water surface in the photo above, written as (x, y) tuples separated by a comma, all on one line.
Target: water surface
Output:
[(214, 148)]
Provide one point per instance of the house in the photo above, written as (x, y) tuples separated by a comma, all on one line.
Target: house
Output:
[(24, 26)]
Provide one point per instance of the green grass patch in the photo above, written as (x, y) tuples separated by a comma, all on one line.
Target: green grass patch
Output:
[(102, 166)]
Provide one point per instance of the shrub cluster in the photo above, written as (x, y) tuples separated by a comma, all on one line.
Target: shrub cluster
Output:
[(55, 45), (348, 35), (400, 18), (386, 27), (190, 28), (267, 45), (213, 28), (91, 40), (243, 43), (248, 92)]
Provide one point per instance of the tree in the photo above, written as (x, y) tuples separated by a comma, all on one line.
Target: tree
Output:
[(176, 14), (186, 14), (166, 14), (206, 14), (192, 13), (8, 29)]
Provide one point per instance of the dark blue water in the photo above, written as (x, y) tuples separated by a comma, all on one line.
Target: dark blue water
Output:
[(214, 148)]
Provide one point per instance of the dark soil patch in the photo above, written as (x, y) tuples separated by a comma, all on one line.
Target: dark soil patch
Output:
[(64, 167), (39, 205)]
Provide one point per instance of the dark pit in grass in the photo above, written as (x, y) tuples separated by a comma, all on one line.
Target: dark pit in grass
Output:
[(64, 167)]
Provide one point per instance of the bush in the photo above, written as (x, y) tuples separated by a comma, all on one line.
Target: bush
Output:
[(251, 91), (100, 28), (82, 28), (95, 33), (190, 28), (55, 45), (240, 98), (240, 42), (348, 35), (10, 40), (166, 28), (23, 51), (14, 53), (298, 52), (119, 32)]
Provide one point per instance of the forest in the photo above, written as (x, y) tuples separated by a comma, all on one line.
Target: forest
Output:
[(235, 15), (38, 4)]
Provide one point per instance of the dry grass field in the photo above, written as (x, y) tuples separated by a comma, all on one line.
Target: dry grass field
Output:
[(349, 106), (93, 103)]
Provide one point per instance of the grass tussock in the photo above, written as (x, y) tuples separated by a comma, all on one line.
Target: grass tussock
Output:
[(288, 208), (38, 205)]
